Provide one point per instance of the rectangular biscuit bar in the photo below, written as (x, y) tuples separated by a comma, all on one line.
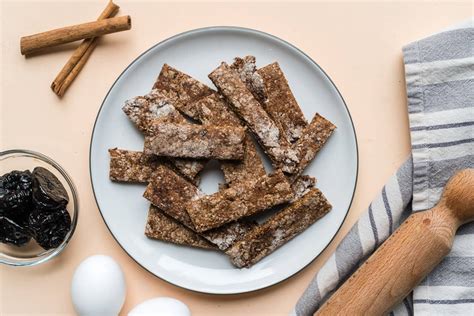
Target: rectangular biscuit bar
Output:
[(241, 200), (281, 104), (170, 193), (213, 110), (162, 227), (312, 139), (131, 166), (249, 168), (228, 81), (225, 236), (196, 141), (302, 185), (181, 88), (279, 229), (247, 69), (145, 111), (188, 167)]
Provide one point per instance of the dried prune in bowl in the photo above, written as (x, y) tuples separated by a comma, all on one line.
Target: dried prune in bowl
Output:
[(48, 191), (13, 233), (32, 253), (15, 191), (50, 227)]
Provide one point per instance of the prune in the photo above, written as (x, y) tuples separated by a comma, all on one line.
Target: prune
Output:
[(15, 189), (33, 205), (12, 233), (50, 227), (15, 195), (48, 191)]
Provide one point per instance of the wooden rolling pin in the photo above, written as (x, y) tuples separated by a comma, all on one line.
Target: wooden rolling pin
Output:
[(407, 256)]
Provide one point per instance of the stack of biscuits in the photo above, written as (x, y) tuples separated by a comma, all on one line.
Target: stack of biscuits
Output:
[(186, 123)]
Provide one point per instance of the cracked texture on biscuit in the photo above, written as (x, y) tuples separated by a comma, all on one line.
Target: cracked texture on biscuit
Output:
[(252, 113), (147, 111), (181, 88), (162, 227), (247, 70), (281, 104), (225, 236), (302, 185), (241, 200), (196, 141), (214, 110), (313, 138), (170, 192), (279, 229), (131, 166)]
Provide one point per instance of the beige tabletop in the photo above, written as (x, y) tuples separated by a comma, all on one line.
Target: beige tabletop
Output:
[(357, 44)]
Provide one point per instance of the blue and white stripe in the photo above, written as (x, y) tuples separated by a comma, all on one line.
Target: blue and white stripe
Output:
[(439, 74)]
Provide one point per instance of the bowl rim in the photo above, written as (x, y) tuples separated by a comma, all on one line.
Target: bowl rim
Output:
[(49, 254)]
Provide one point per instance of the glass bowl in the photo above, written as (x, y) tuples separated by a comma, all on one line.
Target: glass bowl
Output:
[(32, 254)]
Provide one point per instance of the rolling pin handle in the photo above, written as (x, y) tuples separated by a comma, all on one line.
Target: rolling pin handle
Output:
[(407, 256)]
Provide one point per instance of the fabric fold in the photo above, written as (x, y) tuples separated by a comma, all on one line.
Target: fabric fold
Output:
[(388, 209), (439, 74)]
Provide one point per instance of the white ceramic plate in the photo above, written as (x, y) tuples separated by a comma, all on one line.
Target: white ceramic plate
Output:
[(124, 209)]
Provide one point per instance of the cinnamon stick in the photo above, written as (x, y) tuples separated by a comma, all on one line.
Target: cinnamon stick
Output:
[(78, 59), (33, 43)]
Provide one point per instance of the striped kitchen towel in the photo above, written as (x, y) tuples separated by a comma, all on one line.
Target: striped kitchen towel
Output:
[(439, 74)]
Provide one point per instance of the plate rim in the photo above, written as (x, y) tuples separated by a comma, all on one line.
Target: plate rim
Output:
[(240, 29)]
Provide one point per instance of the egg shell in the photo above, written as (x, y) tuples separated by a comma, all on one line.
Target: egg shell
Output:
[(98, 287), (162, 306)]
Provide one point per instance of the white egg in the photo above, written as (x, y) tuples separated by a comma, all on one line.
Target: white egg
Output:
[(161, 306), (98, 287)]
